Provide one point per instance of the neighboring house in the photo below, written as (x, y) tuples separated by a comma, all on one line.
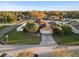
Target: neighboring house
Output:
[(54, 18), (33, 18), (26, 17)]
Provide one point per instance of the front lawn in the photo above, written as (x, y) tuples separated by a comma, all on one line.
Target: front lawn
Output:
[(72, 39), (21, 38)]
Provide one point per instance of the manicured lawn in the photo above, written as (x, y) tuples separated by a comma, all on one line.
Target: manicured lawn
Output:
[(71, 39), (21, 38)]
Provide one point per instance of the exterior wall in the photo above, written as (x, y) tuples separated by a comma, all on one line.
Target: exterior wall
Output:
[(46, 31)]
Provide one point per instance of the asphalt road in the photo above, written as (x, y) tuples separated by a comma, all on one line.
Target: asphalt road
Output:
[(8, 29)]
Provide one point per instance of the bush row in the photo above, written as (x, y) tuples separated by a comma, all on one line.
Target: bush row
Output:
[(62, 30)]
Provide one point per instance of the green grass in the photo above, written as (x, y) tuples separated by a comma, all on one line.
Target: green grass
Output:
[(72, 39), (21, 38)]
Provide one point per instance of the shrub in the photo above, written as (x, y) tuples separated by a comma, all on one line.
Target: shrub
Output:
[(64, 52), (25, 54), (25, 30), (57, 30), (32, 27), (66, 29), (29, 25)]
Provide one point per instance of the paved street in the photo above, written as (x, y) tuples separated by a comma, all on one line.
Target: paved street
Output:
[(42, 51), (4, 48), (7, 29)]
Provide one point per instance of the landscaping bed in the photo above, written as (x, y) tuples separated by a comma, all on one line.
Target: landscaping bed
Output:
[(22, 38)]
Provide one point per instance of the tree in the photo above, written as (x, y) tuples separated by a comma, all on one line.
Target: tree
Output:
[(57, 30), (31, 27), (38, 14), (26, 15), (66, 29), (58, 14), (8, 16), (71, 14)]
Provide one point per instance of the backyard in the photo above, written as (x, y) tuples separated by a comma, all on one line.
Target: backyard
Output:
[(22, 38)]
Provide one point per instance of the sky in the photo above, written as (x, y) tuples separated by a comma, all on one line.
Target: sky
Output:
[(39, 5)]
